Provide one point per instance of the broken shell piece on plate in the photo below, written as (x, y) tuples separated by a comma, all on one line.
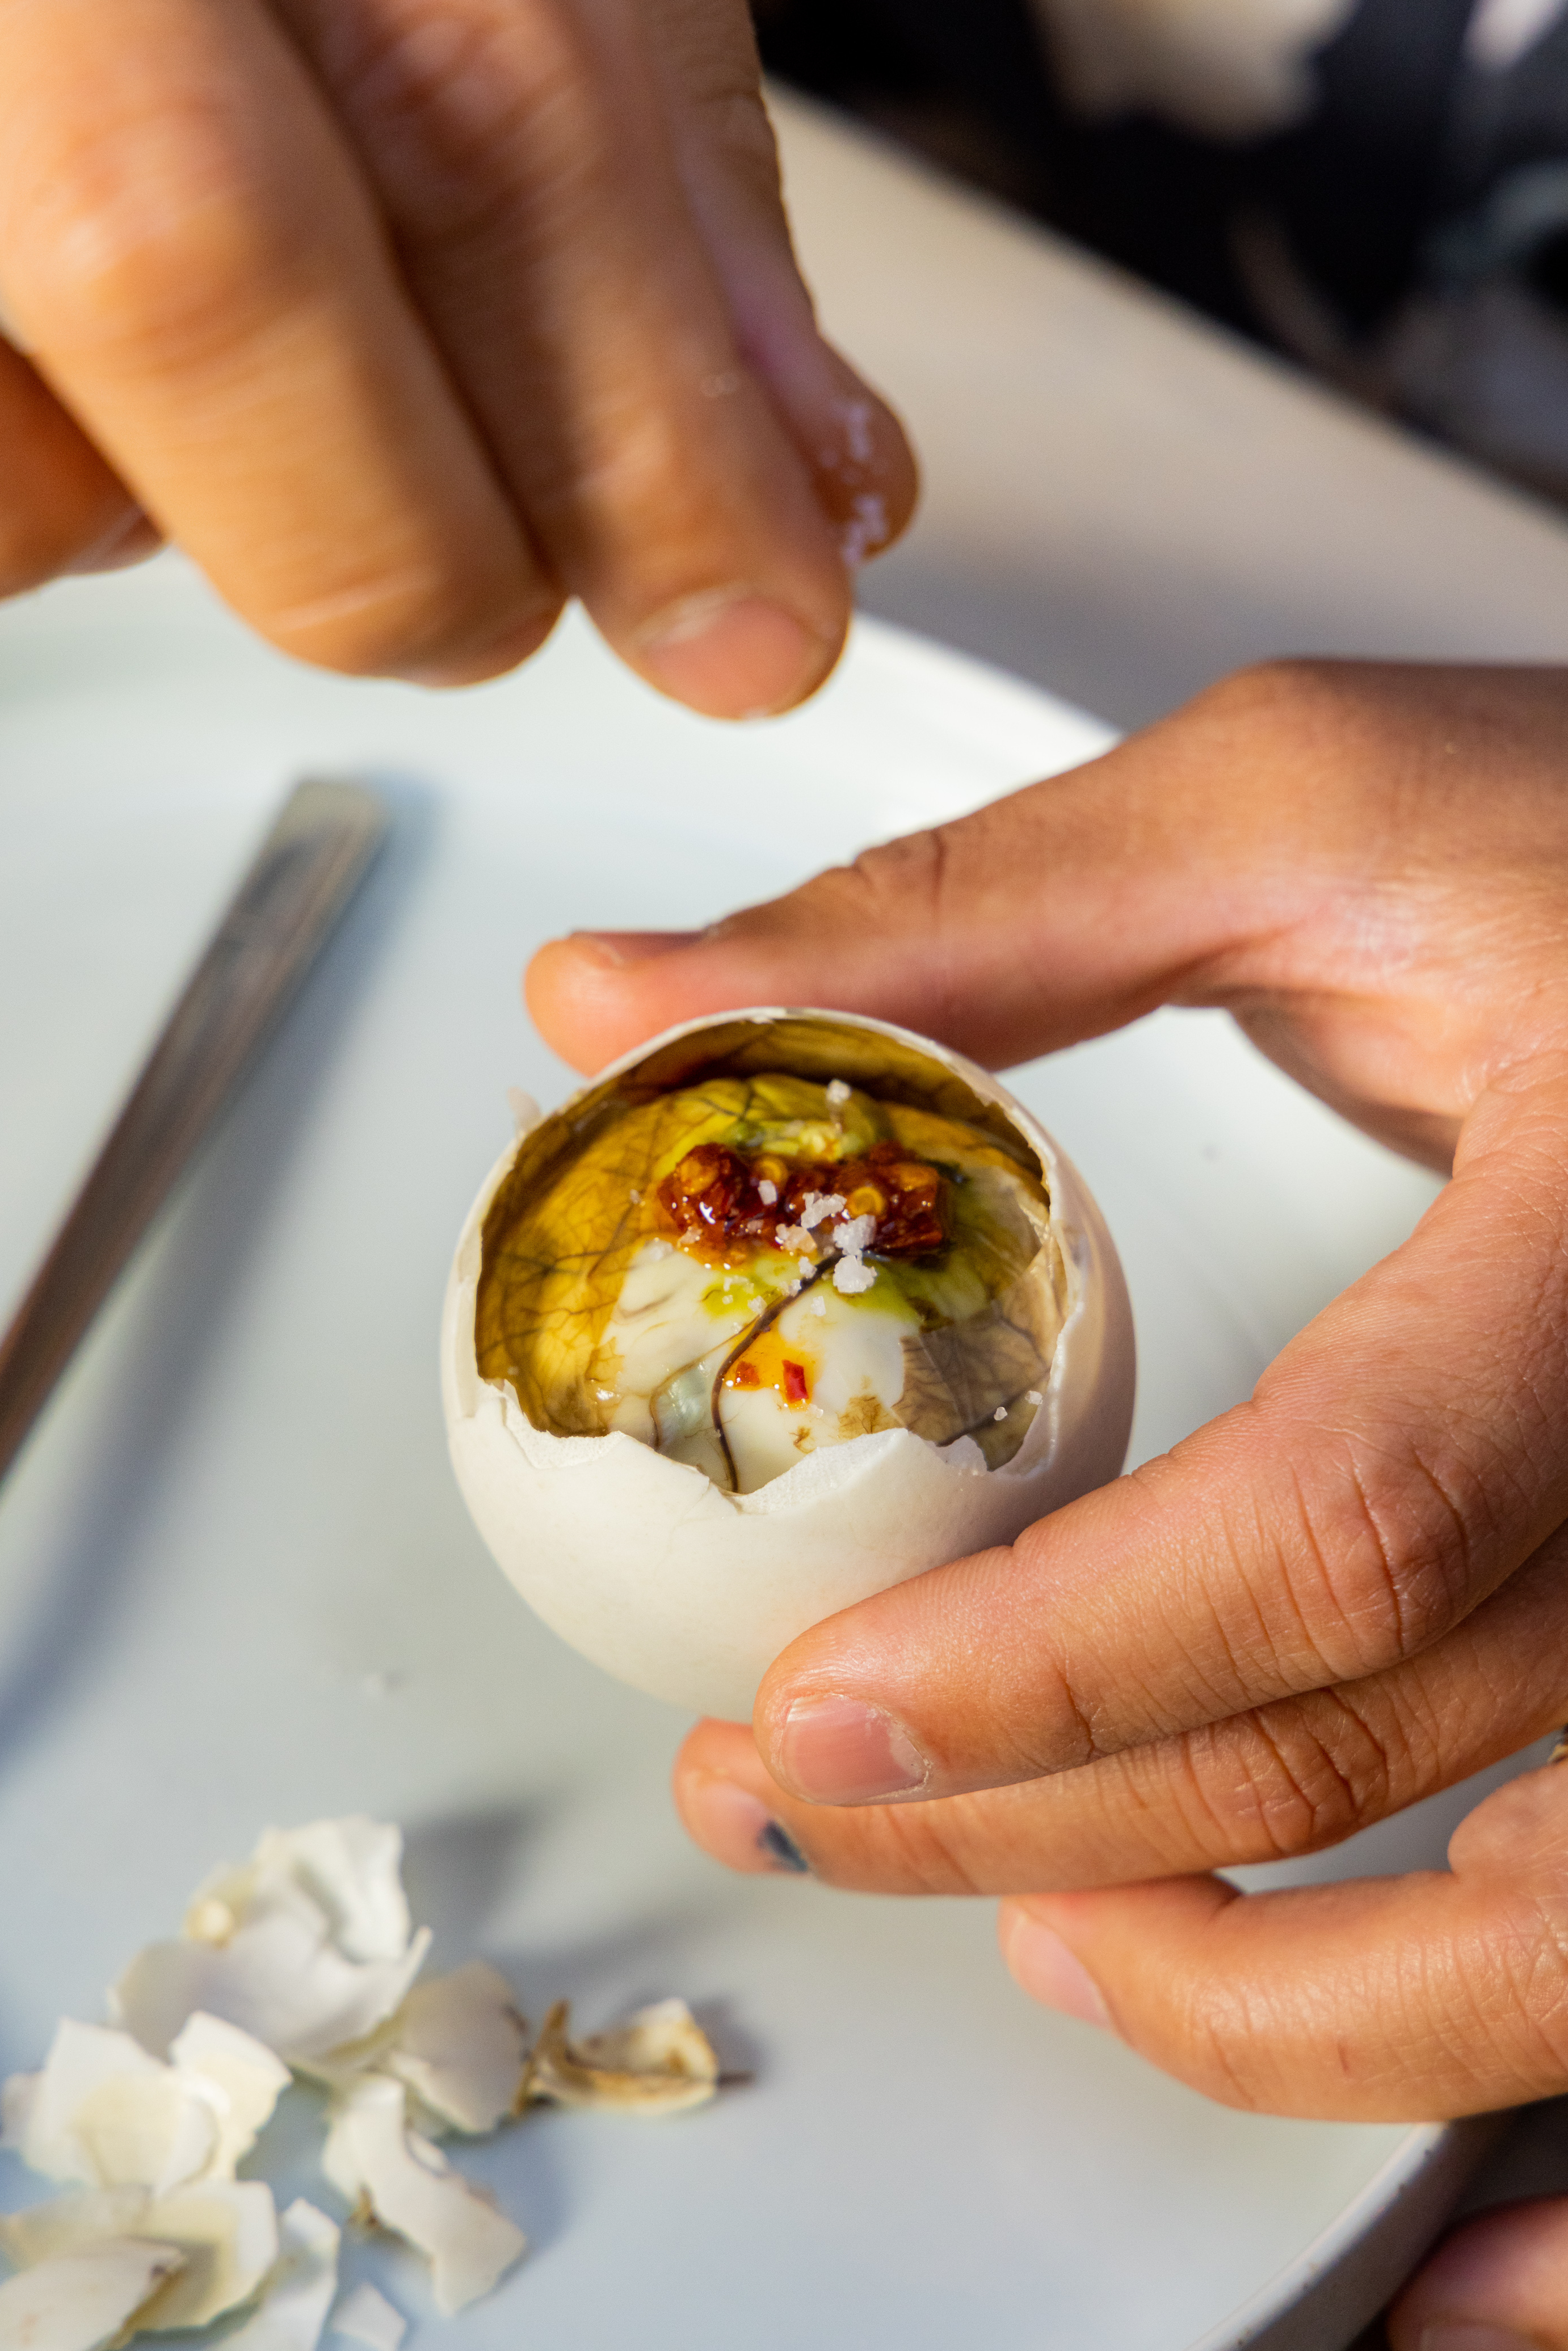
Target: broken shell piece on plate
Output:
[(457, 2045), (307, 1945), (300, 2289), (83, 2301), (225, 2230), (784, 1307), (106, 2113), (399, 2179), (366, 2316), (658, 2062)]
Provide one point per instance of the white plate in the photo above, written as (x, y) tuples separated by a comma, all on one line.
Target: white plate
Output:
[(237, 1586)]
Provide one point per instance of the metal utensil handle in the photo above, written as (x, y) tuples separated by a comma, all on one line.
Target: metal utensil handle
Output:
[(301, 880)]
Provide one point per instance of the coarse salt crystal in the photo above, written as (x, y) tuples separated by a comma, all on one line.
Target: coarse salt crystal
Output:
[(819, 1205), (1000, 1413), (837, 1092), (795, 1239), (854, 1235), (851, 1274), (767, 1193)]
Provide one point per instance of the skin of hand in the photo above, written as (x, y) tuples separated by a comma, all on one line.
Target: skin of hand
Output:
[(1343, 1594), (409, 319)]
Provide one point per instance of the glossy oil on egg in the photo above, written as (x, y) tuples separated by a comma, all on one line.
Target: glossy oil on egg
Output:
[(784, 1307)]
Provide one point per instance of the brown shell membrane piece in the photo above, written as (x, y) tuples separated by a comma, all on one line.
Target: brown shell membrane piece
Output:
[(659, 2061)]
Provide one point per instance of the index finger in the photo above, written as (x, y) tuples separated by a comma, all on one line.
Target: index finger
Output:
[(200, 275), (1399, 2000), (1396, 1463)]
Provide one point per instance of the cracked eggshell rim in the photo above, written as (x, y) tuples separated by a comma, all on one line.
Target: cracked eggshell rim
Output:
[(643, 1565)]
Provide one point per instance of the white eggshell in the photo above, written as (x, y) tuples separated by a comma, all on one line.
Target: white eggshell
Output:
[(689, 1593)]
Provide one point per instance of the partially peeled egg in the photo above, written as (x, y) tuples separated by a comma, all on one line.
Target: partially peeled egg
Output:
[(784, 1307)]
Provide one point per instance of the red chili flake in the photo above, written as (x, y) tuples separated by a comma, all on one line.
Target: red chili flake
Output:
[(794, 1383), (746, 1375), (714, 1198)]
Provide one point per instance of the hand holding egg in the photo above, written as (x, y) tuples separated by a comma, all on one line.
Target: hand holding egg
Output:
[(1333, 1599)]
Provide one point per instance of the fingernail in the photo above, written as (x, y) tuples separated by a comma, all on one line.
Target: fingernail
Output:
[(1044, 1968), (633, 946), (728, 1822), (837, 1751), (732, 656), (1459, 2335)]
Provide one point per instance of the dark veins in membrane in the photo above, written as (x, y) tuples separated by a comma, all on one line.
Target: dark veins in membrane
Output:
[(716, 1200)]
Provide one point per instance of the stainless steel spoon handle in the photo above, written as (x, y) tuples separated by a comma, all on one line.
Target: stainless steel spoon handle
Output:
[(285, 907)]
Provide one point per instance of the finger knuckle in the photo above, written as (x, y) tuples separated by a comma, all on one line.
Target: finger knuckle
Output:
[(723, 94), (464, 106), (1379, 1554), (159, 230), (928, 1847), (1512, 2020), (1301, 1775), (1217, 2032)]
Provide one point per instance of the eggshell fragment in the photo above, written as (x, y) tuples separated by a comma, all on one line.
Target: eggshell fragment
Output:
[(83, 2301), (406, 2184), (688, 1592), (457, 2043), (659, 2061), (306, 1946), (293, 2316), (237, 2076), (367, 2316), (226, 2230), (106, 2113)]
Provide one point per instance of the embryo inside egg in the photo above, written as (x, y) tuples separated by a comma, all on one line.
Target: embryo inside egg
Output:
[(740, 1271)]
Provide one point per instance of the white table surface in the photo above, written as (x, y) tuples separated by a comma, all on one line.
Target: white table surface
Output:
[(1123, 502)]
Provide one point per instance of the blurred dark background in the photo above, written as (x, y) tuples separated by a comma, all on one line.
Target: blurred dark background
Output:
[(1407, 238)]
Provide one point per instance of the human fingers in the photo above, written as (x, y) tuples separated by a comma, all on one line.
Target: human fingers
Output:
[(542, 223), (1497, 2283), (1281, 1780), (1363, 861), (1396, 1464), (1400, 1999), (861, 464), (197, 269), (61, 507)]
